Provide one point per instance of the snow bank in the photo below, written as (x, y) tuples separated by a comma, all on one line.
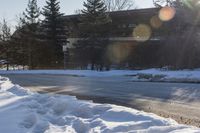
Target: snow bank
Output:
[(154, 75), (87, 73), (189, 76), (22, 111)]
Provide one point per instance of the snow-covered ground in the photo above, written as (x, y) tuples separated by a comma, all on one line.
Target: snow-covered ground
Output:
[(190, 76), (160, 75), (22, 111), (87, 73)]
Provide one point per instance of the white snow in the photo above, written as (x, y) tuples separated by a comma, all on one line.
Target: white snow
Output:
[(168, 75), (87, 73), (22, 111), (137, 75)]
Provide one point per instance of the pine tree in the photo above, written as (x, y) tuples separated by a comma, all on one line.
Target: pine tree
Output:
[(95, 18), (95, 31), (19, 40), (29, 30), (32, 13), (5, 36), (54, 31)]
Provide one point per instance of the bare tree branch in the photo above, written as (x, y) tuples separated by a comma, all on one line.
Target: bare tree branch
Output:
[(161, 3), (117, 5)]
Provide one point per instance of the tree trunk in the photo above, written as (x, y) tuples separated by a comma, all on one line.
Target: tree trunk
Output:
[(7, 66)]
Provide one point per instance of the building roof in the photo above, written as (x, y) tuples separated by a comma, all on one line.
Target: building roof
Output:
[(144, 11)]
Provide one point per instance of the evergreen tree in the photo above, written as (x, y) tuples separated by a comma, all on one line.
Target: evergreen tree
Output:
[(32, 13), (5, 36), (95, 31), (29, 30), (19, 40), (54, 31)]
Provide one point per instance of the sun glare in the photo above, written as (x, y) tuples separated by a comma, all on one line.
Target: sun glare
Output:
[(118, 52), (167, 13), (155, 22), (142, 33)]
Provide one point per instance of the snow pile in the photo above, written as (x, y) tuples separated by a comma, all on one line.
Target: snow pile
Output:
[(190, 76), (84, 73), (24, 112), (154, 75)]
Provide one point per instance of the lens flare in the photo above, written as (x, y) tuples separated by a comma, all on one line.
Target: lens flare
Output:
[(191, 3), (142, 33), (118, 52), (188, 4), (167, 13), (155, 22)]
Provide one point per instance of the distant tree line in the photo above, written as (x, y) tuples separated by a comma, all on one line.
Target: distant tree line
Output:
[(35, 43)]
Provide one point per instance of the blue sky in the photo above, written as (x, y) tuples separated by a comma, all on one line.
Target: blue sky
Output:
[(10, 8)]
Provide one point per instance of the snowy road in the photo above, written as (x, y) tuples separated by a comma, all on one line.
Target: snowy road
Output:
[(179, 101), (109, 87)]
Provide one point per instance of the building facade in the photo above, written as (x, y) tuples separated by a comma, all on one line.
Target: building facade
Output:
[(124, 24)]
